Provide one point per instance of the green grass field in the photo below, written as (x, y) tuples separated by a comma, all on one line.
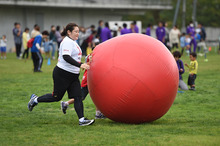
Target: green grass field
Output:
[(193, 119)]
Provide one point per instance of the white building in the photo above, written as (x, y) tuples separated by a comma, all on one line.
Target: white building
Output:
[(60, 12)]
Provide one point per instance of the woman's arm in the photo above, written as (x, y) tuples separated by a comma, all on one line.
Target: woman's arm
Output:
[(70, 60)]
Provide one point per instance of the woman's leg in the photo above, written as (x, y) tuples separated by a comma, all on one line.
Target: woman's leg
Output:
[(60, 86), (74, 91)]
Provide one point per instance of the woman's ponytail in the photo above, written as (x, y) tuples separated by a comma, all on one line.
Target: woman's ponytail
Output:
[(70, 27)]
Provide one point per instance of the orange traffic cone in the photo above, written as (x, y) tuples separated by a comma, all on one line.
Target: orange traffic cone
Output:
[(210, 49)]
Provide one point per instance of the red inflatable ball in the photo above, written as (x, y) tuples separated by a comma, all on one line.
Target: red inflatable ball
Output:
[(133, 78)]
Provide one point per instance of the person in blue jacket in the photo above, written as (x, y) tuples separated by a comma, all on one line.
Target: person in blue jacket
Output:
[(36, 51)]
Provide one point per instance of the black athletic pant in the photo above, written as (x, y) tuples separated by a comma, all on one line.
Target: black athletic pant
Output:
[(65, 81), (18, 49), (37, 60), (26, 52)]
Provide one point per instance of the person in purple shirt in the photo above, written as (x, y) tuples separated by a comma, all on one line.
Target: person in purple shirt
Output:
[(124, 30), (191, 30), (161, 32), (181, 69), (106, 33), (148, 29), (132, 28), (136, 29)]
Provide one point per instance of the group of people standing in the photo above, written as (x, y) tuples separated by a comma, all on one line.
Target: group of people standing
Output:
[(173, 39), (34, 41)]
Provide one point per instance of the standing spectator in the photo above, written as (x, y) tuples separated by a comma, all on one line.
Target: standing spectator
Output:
[(35, 31), (3, 46), (26, 38), (174, 37), (202, 41), (182, 42), (161, 32), (54, 40), (124, 30), (59, 38), (119, 31), (115, 30), (99, 30), (36, 51), (187, 41), (148, 30), (106, 33), (90, 30), (182, 84), (47, 44), (18, 39), (136, 29), (167, 40), (90, 42), (132, 28), (191, 30), (82, 40)]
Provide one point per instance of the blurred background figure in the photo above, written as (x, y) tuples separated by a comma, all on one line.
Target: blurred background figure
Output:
[(17, 38), (26, 38), (148, 30), (3, 46), (174, 37), (106, 33)]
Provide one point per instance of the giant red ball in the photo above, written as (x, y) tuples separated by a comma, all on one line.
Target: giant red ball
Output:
[(133, 78)]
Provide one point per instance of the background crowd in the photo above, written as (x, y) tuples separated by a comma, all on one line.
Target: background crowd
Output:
[(193, 39)]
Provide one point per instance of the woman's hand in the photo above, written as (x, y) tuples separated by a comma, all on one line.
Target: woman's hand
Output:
[(85, 66)]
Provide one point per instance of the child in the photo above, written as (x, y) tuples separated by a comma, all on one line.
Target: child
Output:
[(182, 42), (187, 44), (47, 44), (25, 38), (36, 51), (193, 68), (180, 66), (3, 46), (85, 91)]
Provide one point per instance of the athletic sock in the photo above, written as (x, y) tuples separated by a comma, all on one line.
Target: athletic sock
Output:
[(66, 103), (97, 113), (35, 100), (81, 119)]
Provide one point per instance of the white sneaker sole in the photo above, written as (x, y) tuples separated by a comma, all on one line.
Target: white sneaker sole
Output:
[(90, 123)]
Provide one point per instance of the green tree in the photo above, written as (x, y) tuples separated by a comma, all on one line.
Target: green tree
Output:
[(207, 13)]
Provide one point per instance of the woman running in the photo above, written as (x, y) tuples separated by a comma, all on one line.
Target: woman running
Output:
[(66, 75)]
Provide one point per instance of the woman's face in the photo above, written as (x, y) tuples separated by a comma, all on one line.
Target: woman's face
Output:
[(74, 34)]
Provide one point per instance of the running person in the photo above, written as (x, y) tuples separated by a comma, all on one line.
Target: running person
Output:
[(66, 75)]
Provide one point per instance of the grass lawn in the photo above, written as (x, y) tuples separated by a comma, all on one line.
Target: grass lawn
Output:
[(193, 119)]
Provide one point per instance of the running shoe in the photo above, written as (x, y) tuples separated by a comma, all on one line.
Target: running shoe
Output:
[(31, 103), (86, 122), (100, 116), (63, 107)]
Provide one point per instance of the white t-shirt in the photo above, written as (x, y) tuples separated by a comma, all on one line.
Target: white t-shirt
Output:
[(3, 43), (71, 48), (174, 36)]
